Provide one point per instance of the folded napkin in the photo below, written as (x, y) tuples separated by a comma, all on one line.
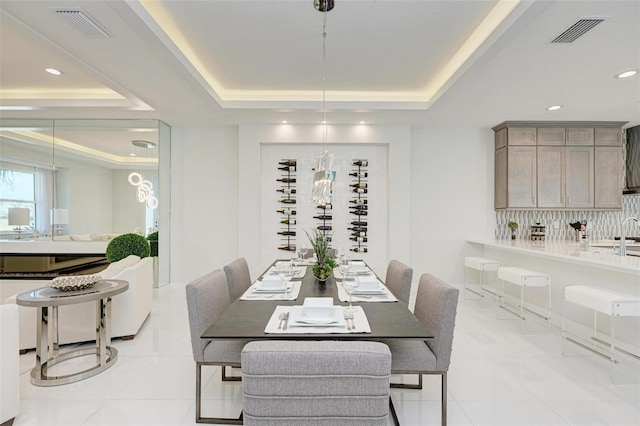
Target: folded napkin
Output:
[(254, 292), (293, 327), (338, 274), (384, 296)]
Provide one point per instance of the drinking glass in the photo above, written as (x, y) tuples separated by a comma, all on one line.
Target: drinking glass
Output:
[(304, 249), (344, 264), (285, 273), (350, 284)]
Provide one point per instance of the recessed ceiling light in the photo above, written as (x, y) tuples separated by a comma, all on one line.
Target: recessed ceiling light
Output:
[(626, 74), (131, 154), (362, 122), (324, 121), (284, 121), (554, 107), (53, 71)]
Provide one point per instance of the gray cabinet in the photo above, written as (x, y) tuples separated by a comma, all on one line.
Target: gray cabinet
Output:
[(558, 165)]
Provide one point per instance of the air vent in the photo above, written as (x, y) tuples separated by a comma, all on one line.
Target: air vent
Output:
[(578, 29), (84, 23)]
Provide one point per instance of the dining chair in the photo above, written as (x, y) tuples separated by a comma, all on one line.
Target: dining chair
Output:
[(315, 383), (207, 298), (398, 280), (238, 278), (436, 304)]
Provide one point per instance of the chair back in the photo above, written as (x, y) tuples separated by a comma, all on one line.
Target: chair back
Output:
[(207, 297), (398, 280), (238, 278), (436, 304), (315, 382)]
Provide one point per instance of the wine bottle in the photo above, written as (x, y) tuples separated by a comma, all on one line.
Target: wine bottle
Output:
[(287, 233), (359, 207), (288, 168), (325, 206), (288, 163), (288, 221), (359, 212), (324, 228), (287, 190), (287, 201), (286, 211), (323, 217), (362, 185), (359, 234), (360, 190), (287, 248), (359, 201), (359, 174), (361, 163), (359, 223), (359, 239), (358, 229), (287, 180), (359, 249)]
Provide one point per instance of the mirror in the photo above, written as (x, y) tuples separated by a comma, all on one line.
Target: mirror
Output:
[(92, 179)]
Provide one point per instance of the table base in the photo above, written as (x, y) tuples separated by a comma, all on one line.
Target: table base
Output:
[(40, 378)]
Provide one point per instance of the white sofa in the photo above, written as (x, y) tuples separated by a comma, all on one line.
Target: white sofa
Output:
[(76, 323), (9, 364)]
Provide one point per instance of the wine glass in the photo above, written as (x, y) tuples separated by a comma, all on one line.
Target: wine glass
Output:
[(350, 284), (344, 264), (285, 273), (304, 249)]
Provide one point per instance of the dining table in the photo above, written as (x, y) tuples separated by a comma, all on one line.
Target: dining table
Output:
[(247, 319)]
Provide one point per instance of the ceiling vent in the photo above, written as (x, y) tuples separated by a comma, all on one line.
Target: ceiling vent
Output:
[(578, 29), (83, 22)]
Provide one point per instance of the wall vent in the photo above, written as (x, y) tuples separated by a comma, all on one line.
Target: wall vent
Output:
[(577, 30), (84, 23)]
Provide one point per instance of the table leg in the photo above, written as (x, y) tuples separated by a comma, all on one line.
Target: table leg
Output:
[(101, 337), (54, 337), (42, 340)]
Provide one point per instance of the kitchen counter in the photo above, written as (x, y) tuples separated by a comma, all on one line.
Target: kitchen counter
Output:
[(600, 254)]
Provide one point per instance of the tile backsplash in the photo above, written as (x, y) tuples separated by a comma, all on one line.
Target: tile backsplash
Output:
[(600, 224)]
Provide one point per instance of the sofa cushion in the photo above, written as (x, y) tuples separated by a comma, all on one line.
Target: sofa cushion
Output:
[(116, 267)]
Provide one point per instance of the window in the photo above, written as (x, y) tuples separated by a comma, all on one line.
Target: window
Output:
[(17, 189)]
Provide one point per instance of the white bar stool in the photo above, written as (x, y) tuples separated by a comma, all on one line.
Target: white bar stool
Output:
[(524, 278), (483, 265), (606, 302)]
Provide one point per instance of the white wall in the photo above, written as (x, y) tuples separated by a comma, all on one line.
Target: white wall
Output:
[(204, 200)]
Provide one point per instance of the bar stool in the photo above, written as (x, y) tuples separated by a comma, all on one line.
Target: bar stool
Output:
[(606, 302), (524, 278), (483, 265)]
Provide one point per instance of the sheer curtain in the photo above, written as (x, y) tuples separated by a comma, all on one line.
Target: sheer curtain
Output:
[(44, 193)]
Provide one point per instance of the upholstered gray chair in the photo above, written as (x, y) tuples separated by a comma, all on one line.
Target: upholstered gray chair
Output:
[(207, 297), (315, 383), (398, 280), (238, 278), (436, 304)]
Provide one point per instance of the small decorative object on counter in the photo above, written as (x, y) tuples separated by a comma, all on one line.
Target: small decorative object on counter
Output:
[(513, 226), (580, 228), (537, 232)]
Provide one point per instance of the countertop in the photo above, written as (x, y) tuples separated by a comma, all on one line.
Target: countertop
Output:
[(28, 247), (600, 253)]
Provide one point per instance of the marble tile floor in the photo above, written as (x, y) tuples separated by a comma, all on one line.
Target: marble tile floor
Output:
[(498, 376)]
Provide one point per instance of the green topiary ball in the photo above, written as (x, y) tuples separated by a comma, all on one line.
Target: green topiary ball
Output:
[(127, 244)]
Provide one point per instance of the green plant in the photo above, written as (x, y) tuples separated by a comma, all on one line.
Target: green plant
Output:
[(153, 242), (127, 244), (320, 243), (512, 225)]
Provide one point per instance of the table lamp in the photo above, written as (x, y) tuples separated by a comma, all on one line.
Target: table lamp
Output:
[(19, 216)]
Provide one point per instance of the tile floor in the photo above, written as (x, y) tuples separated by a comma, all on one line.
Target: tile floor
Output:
[(498, 376)]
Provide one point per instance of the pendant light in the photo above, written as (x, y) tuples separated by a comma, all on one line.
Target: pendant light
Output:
[(144, 193)]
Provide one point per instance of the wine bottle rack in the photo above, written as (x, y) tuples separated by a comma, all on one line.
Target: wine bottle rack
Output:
[(324, 219), (287, 196), (359, 206)]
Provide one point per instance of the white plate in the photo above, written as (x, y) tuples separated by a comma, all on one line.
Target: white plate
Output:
[(379, 290), (300, 321), (259, 289)]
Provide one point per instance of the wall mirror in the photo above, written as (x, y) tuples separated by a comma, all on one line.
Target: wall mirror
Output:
[(85, 179)]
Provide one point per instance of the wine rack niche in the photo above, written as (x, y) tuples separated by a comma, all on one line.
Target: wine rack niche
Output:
[(324, 217), (287, 196), (359, 205)]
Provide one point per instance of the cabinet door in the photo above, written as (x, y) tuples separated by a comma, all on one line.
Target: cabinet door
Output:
[(500, 176), (521, 176), (551, 176), (608, 177), (579, 177), (521, 135), (608, 136), (551, 136), (580, 136)]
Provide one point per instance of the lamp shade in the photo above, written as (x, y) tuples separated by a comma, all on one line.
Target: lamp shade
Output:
[(60, 216), (19, 216)]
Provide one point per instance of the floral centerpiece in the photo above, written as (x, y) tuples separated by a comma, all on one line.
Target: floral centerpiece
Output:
[(324, 266)]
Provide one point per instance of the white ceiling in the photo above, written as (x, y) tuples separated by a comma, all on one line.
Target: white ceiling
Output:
[(223, 62)]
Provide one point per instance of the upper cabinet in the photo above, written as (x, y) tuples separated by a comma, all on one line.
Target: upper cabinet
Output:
[(558, 165)]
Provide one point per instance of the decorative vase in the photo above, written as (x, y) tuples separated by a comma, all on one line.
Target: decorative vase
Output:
[(513, 235)]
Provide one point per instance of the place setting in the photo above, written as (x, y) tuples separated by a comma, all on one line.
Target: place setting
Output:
[(275, 286), (358, 283), (317, 315)]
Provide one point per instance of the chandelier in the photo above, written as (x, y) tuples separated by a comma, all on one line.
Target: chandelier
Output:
[(323, 164), (144, 192)]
